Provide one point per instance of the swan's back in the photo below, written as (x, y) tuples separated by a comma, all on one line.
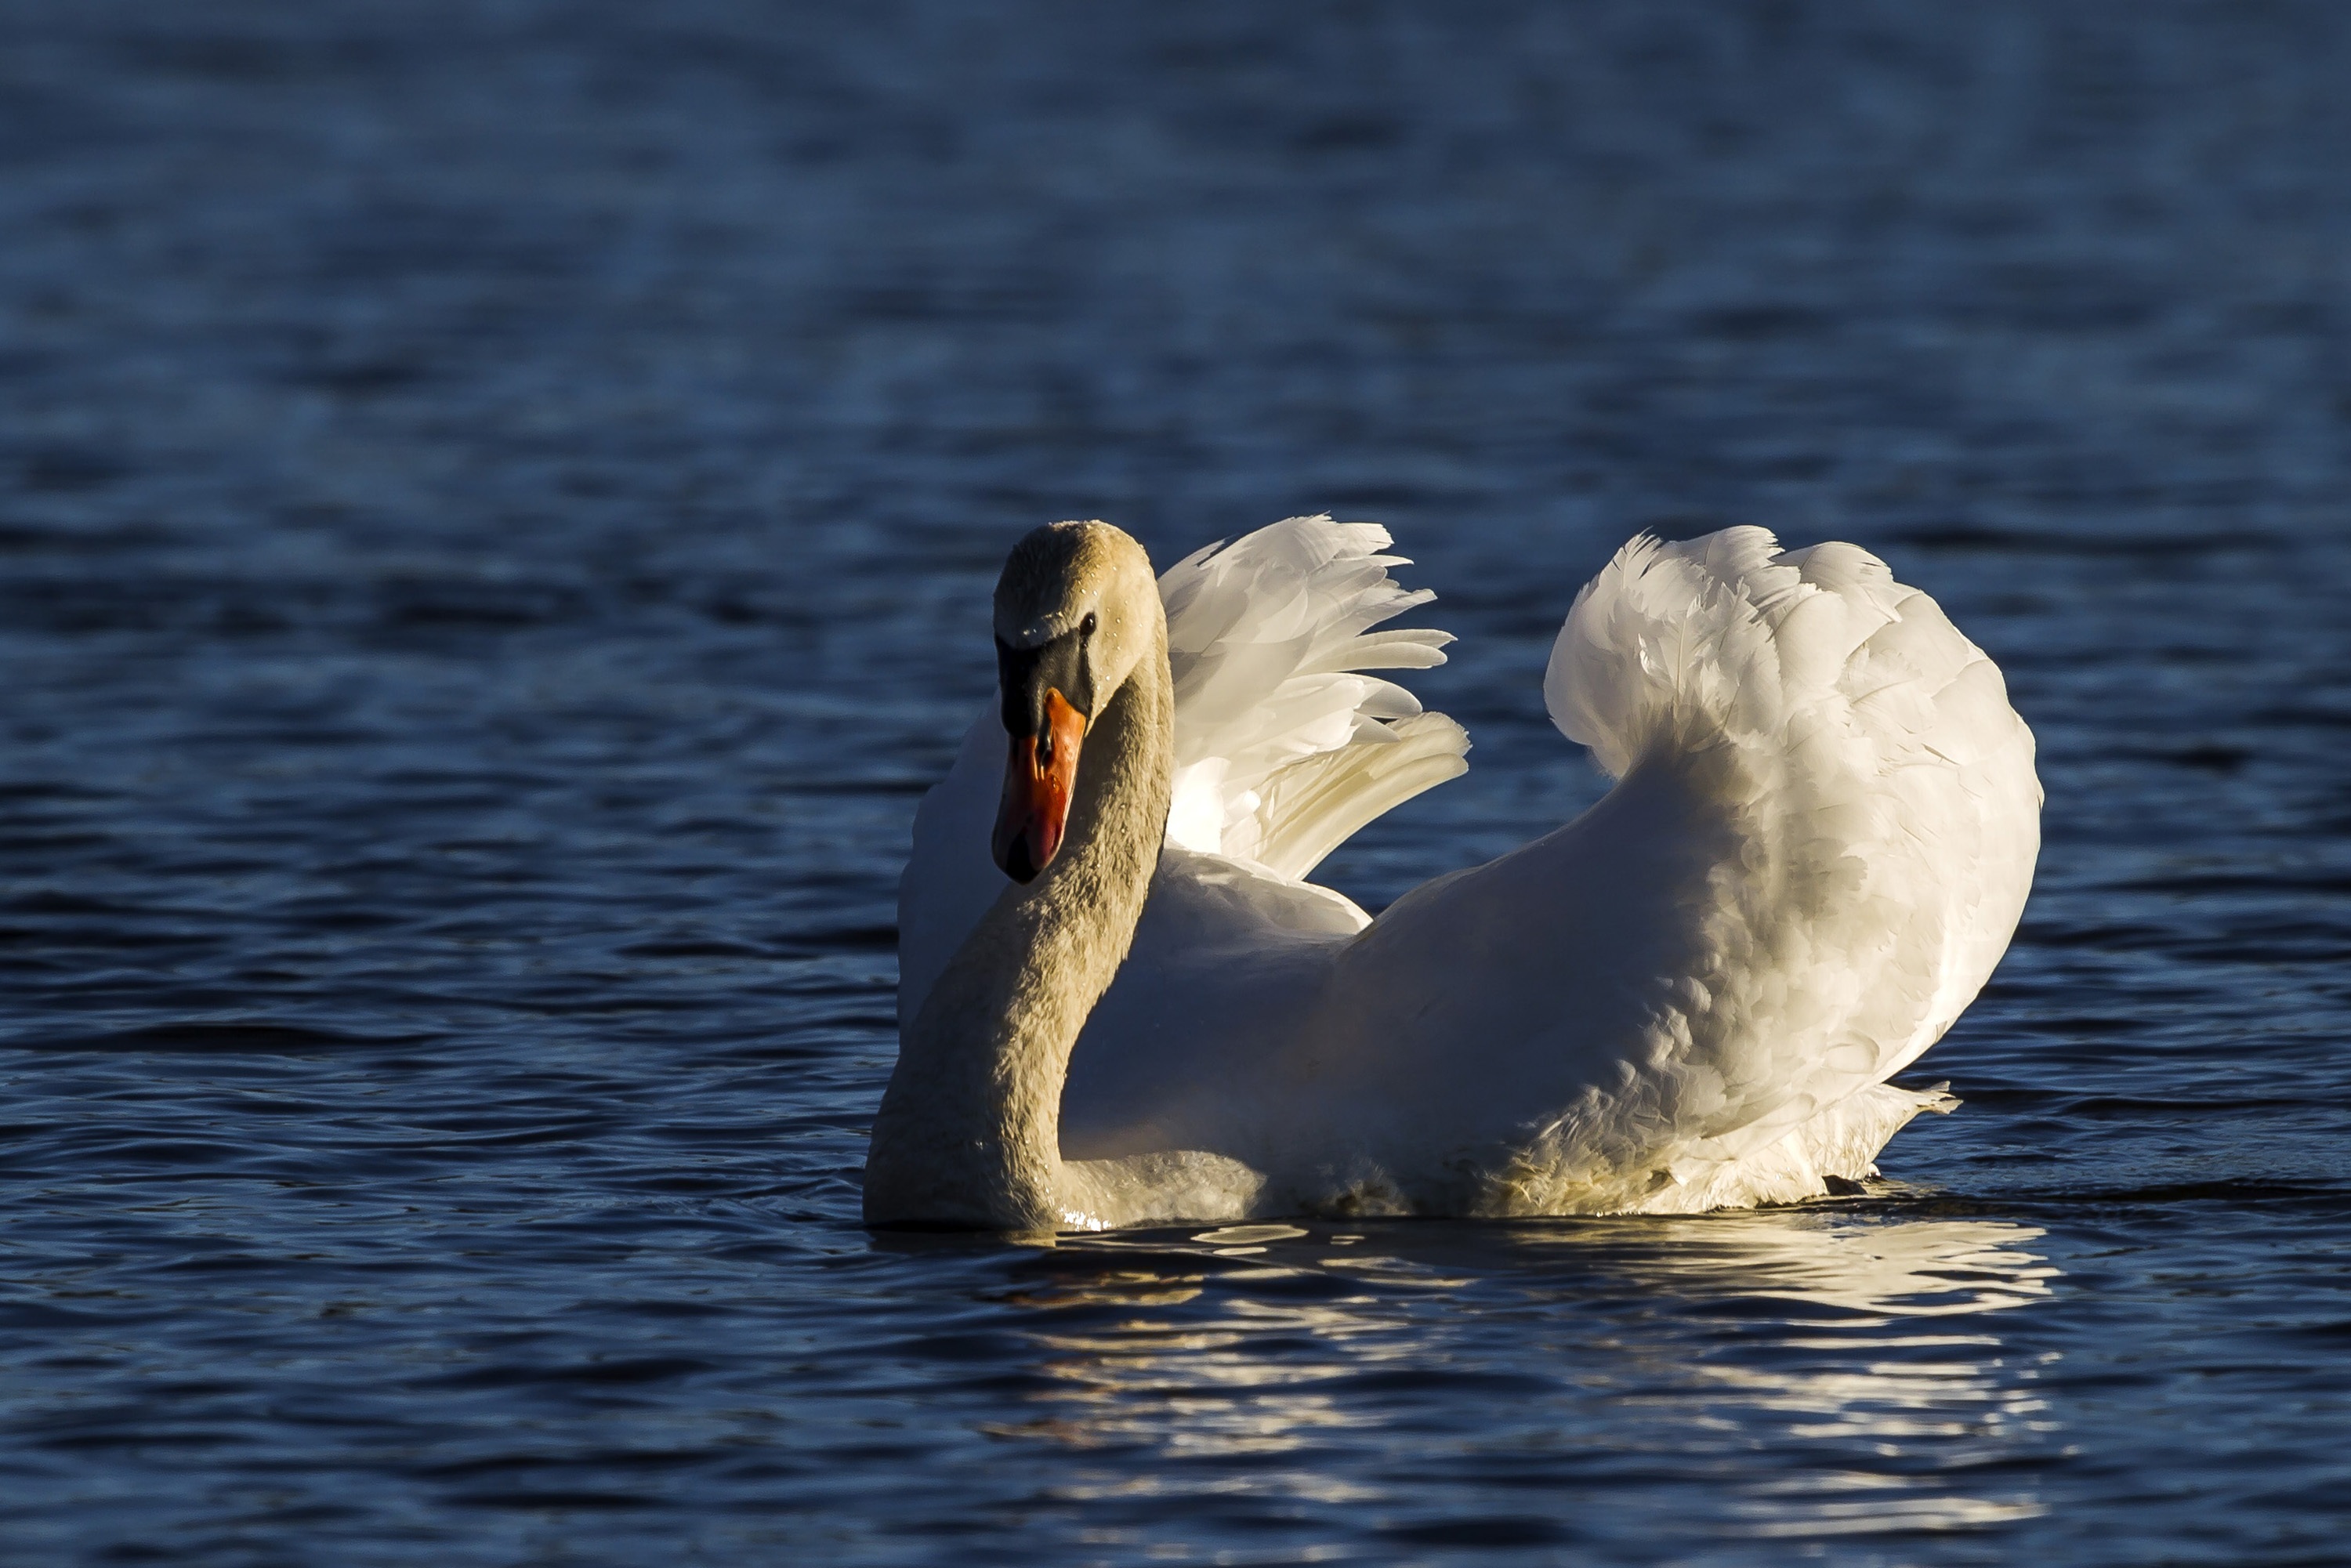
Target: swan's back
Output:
[(1823, 829)]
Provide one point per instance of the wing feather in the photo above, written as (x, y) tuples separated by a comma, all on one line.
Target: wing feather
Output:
[(1283, 747), (1821, 839)]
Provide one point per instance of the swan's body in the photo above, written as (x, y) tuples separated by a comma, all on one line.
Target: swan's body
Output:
[(1823, 830)]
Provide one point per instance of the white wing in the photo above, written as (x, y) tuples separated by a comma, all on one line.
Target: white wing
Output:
[(1283, 750), (1822, 832)]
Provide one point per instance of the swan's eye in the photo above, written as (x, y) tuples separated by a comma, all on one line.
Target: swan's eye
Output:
[(1086, 627)]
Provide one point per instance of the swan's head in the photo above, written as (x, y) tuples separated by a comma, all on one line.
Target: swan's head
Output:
[(1073, 615)]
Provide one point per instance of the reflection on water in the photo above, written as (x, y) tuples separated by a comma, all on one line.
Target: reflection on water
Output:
[(1894, 1268), (1860, 1355)]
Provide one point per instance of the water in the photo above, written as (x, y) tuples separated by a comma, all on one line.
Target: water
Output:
[(497, 503)]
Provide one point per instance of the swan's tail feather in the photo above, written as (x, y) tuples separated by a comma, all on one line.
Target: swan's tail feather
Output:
[(1283, 747)]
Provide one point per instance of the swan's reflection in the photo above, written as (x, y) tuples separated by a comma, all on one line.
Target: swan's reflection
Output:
[(1795, 1373)]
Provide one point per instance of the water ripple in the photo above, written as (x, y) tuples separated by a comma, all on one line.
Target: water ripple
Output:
[(497, 511)]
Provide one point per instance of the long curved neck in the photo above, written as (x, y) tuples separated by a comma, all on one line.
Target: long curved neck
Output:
[(970, 1133)]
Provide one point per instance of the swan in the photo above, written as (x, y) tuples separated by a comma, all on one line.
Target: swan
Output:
[(1120, 1001)]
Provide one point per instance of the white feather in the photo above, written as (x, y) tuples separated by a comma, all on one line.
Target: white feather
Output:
[(1283, 748), (1823, 830)]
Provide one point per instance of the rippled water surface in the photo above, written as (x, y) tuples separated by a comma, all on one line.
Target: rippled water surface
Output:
[(497, 506)]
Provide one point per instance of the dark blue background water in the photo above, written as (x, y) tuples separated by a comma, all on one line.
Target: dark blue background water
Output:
[(497, 504)]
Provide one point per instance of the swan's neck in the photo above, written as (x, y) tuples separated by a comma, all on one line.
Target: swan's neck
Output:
[(970, 1130)]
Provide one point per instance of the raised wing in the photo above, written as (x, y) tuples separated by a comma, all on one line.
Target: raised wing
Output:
[(1822, 832), (1284, 747)]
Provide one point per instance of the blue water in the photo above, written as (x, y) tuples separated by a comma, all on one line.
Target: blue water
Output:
[(497, 507)]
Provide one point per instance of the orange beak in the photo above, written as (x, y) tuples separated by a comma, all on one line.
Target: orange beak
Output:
[(1038, 778)]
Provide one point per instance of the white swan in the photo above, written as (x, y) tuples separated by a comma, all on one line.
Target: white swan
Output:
[(1822, 832)]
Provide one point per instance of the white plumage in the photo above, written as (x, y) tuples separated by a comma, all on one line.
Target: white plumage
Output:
[(1824, 826), (1283, 748)]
